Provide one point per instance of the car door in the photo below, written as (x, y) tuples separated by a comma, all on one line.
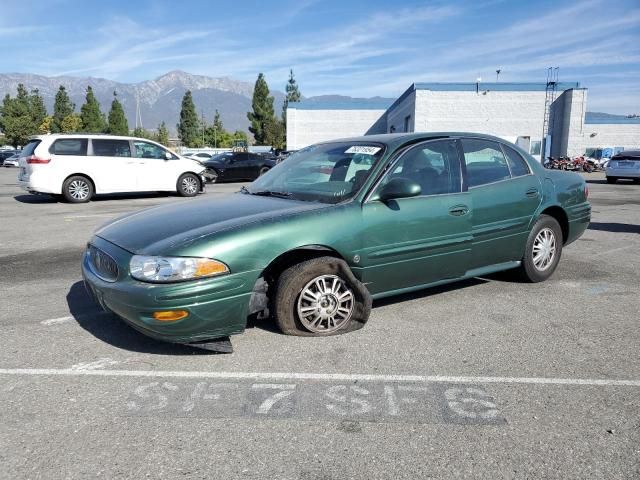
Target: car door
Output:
[(423, 239), (156, 169), (238, 167), (114, 166), (503, 202)]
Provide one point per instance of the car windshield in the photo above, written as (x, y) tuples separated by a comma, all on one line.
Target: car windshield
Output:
[(327, 173)]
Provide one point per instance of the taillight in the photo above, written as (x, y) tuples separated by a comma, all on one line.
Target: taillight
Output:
[(33, 159)]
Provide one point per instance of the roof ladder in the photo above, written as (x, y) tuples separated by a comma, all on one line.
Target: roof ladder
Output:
[(550, 97)]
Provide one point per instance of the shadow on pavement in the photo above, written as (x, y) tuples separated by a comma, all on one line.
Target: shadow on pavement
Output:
[(110, 329), (615, 227), (427, 292)]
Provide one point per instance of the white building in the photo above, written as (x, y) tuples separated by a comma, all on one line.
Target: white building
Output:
[(514, 111)]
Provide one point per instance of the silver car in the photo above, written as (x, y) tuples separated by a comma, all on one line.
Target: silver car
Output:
[(624, 165), (12, 161)]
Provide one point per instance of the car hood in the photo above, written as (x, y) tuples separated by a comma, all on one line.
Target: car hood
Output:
[(159, 230)]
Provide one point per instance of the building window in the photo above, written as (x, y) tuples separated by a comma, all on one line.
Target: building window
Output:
[(392, 129), (407, 120)]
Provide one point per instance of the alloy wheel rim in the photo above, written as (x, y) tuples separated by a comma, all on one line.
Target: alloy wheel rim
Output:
[(544, 249), (325, 304), (79, 190), (189, 185)]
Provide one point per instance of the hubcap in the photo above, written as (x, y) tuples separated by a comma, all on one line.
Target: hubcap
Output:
[(189, 185), (544, 249), (79, 189), (325, 304)]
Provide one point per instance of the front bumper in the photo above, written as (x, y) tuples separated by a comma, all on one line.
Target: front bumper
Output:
[(217, 306)]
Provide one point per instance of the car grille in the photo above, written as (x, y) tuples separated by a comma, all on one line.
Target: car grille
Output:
[(103, 265)]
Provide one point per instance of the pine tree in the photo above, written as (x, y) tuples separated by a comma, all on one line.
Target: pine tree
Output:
[(189, 126), (15, 118), (37, 108), (62, 108), (275, 133), (92, 117), (293, 95), (163, 134), (117, 121), (262, 105)]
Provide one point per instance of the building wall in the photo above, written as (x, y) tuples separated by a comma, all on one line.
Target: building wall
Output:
[(305, 127), (607, 135), (497, 113), (396, 115)]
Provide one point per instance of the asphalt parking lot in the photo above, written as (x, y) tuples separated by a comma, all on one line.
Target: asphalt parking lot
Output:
[(488, 378)]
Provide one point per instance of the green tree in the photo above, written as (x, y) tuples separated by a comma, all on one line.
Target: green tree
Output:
[(141, 132), (262, 104), (92, 117), (189, 126), (15, 118), (71, 123), (293, 95), (45, 126), (163, 135), (117, 124), (62, 108), (37, 108), (274, 133)]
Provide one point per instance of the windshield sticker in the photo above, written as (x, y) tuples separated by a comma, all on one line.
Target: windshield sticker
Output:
[(363, 149)]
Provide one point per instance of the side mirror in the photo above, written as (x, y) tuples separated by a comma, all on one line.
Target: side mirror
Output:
[(167, 156), (399, 188)]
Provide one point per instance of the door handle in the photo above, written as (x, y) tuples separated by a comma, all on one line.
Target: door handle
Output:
[(458, 210), (532, 192)]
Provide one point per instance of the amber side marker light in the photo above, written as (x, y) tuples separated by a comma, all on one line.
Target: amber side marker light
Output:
[(170, 315)]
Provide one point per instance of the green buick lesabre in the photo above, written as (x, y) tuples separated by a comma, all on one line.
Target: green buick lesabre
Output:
[(332, 227)]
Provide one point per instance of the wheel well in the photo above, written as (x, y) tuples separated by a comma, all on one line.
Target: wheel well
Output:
[(292, 257), (561, 217), (93, 184)]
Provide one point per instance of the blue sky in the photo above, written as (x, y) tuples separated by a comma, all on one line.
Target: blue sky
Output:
[(358, 48)]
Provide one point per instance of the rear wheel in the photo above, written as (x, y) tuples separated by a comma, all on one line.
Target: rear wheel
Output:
[(542, 251), (612, 179), (320, 297), (77, 189), (188, 185)]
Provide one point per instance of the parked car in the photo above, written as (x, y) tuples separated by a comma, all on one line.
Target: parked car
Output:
[(77, 166), (4, 154), (234, 166), (624, 165), (200, 156), (12, 161), (338, 224)]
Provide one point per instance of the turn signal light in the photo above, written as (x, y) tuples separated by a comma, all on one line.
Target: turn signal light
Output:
[(170, 315), (33, 159)]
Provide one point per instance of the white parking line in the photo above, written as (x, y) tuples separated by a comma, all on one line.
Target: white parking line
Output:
[(55, 321), (345, 377)]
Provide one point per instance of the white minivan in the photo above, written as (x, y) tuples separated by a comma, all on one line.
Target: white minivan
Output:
[(77, 166)]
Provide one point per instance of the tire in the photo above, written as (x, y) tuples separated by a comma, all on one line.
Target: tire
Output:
[(262, 171), (188, 185), (211, 175), (545, 230), (306, 277), (77, 189), (612, 179)]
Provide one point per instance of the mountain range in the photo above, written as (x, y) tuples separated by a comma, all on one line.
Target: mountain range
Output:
[(159, 99)]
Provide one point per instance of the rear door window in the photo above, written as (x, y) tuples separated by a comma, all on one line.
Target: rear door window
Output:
[(29, 148), (69, 146), (485, 162), (111, 148), (517, 164)]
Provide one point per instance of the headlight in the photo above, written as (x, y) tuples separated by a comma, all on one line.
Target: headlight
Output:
[(174, 269)]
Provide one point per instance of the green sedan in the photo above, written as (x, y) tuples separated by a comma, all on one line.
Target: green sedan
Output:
[(313, 241)]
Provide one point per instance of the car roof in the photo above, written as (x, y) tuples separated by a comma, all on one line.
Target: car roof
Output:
[(397, 139), (54, 136), (628, 153)]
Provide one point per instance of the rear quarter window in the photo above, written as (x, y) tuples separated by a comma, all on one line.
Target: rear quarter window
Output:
[(517, 164), (69, 146)]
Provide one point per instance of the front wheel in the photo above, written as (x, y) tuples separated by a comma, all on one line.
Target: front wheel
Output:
[(542, 251), (188, 185), (262, 171), (320, 297), (211, 175)]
